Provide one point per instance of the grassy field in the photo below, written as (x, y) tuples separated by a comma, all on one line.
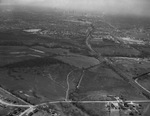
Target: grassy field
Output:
[(114, 51), (37, 80), (99, 82), (79, 61), (132, 66)]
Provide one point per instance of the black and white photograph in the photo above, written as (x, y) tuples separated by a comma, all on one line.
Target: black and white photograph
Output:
[(74, 57)]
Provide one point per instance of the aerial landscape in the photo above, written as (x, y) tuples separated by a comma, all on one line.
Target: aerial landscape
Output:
[(74, 61)]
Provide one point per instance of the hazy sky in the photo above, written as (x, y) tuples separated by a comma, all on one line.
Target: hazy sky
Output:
[(121, 6)]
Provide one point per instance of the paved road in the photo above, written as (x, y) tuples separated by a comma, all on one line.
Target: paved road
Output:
[(1, 89), (14, 105), (83, 102), (136, 81)]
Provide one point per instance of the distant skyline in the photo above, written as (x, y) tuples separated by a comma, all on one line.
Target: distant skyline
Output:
[(139, 7)]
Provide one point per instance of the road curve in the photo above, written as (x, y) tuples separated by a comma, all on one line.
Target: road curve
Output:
[(136, 81)]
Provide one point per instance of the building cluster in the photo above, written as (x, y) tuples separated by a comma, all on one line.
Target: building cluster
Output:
[(7, 100), (42, 110), (120, 104), (15, 112)]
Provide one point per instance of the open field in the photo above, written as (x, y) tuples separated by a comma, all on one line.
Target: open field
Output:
[(132, 66), (37, 83), (103, 82)]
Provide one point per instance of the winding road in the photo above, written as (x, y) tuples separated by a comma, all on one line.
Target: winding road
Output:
[(68, 85)]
